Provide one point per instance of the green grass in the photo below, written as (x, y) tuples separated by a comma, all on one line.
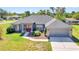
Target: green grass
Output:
[(15, 42), (7, 21), (75, 32)]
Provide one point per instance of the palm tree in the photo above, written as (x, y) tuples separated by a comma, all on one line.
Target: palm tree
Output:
[(53, 9), (41, 12), (2, 13), (60, 9), (60, 13), (49, 13)]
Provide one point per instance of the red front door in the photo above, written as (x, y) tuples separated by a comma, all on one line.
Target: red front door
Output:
[(28, 27)]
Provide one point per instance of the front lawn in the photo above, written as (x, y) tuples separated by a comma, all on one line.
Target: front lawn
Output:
[(75, 32), (15, 42)]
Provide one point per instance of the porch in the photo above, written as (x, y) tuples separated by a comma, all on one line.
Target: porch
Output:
[(30, 27)]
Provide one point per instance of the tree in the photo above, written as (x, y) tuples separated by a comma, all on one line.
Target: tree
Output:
[(60, 9), (53, 9), (60, 13), (2, 13), (73, 12), (59, 16), (49, 13), (27, 13), (76, 16), (68, 15), (22, 15), (42, 12), (33, 13)]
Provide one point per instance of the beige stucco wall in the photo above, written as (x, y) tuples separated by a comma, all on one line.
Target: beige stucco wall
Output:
[(17, 28)]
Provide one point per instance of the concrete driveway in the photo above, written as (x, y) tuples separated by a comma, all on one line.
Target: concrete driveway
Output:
[(63, 44)]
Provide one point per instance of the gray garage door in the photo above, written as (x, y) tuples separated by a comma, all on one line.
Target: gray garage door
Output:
[(59, 32)]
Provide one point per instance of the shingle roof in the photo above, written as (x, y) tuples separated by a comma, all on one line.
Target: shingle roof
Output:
[(58, 24), (43, 19), (39, 19)]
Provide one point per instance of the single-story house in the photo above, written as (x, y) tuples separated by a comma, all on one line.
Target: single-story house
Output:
[(54, 27), (14, 17), (71, 21)]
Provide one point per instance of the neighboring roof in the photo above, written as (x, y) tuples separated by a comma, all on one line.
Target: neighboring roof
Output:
[(39, 19), (43, 19), (70, 19), (58, 24), (13, 16)]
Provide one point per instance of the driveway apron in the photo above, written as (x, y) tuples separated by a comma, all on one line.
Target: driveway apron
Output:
[(63, 44)]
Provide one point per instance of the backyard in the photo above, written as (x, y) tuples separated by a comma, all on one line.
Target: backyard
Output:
[(15, 42)]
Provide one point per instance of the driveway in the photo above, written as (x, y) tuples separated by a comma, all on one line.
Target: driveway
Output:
[(63, 44)]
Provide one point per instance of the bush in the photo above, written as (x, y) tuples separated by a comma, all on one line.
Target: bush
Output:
[(36, 33), (45, 31), (22, 34), (10, 30), (76, 16)]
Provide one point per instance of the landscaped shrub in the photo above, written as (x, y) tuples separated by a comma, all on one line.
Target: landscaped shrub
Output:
[(22, 34), (45, 31), (36, 33), (10, 30)]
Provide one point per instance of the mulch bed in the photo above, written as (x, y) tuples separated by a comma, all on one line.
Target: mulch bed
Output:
[(38, 37)]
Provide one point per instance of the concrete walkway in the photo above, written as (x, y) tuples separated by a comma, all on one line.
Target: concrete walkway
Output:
[(35, 39), (30, 38), (26, 34), (63, 44)]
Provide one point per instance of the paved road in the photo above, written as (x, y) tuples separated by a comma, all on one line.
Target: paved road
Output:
[(63, 44)]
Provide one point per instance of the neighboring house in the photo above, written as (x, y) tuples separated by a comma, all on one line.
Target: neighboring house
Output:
[(1, 19), (54, 27), (14, 17), (71, 21)]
